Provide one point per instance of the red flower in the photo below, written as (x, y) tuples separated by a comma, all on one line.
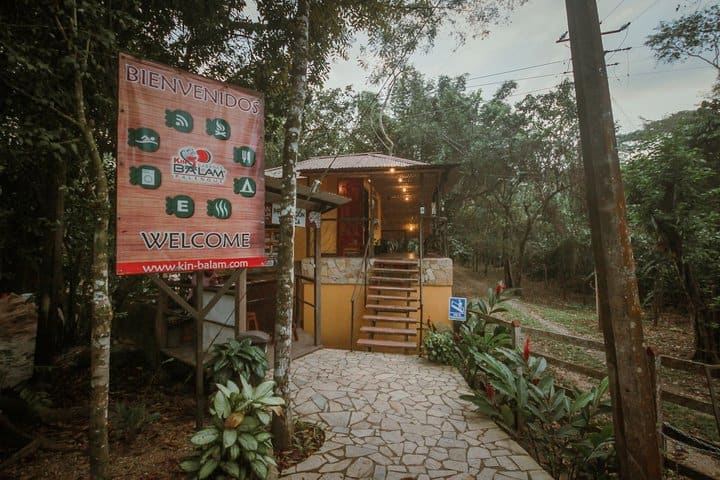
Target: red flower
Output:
[(526, 350), (457, 338), (499, 288), (489, 390), (535, 381)]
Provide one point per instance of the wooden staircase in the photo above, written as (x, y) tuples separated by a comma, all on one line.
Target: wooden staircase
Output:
[(393, 305)]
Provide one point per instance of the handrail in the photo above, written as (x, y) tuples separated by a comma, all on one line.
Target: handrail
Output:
[(420, 280), (363, 269)]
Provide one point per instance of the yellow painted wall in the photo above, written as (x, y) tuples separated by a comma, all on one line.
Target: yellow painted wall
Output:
[(336, 311)]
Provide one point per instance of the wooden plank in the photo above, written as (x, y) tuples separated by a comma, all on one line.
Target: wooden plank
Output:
[(686, 365), (392, 297), (395, 270), (385, 343), (387, 318), (391, 308), (577, 341), (390, 261), (241, 303), (687, 402), (391, 279), (590, 372), (389, 330), (392, 289)]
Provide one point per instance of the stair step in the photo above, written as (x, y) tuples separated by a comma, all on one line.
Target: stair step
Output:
[(395, 270), (391, 308), (392, 289), (392, 279), (392, 297), (389, 318), (389, 330), (385, 343), (390, 261)]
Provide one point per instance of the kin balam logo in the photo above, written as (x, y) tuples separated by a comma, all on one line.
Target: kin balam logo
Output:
[(196, 165)]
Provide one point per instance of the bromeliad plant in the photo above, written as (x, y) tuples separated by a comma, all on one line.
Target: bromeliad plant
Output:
[(565, 428), (237, 444), (238, 358)]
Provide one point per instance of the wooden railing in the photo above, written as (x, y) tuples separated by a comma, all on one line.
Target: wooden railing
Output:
[(363, 271), (656, 360)]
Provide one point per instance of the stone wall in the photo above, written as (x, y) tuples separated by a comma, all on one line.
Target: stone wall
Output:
[(348, 270)]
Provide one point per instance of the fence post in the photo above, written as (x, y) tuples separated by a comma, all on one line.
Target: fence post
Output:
[(517, 331), (716, 411), (654, 366)]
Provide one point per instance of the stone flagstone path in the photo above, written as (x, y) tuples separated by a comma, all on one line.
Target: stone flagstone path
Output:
[(398, 417)]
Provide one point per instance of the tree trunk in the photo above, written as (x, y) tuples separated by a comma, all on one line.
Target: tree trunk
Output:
[(50, 327), (282, 425), (102, 308)]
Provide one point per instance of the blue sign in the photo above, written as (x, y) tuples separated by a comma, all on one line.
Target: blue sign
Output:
[(458, 309)]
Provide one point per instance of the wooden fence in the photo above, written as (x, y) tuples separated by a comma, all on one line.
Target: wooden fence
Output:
[(657, 360)]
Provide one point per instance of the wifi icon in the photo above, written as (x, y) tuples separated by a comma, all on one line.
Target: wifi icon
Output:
[(180, 120)]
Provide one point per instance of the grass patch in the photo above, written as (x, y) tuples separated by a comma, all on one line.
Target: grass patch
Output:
[(580, 319), (524, 319)]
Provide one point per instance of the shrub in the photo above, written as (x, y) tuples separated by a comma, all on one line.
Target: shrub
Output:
[(476, 336), (566, 429), (439, 346), (237, 359), (237, 444)]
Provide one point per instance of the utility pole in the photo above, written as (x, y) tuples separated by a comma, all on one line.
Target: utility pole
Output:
[(636, 438)]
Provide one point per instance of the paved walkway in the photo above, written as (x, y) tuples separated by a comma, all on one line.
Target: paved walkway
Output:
[(398, 417)]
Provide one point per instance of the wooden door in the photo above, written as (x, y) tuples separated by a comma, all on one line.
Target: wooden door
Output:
[(352, 217)]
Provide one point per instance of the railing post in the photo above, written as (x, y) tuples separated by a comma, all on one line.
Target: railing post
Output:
[(352, 323), (654, 360), (516, 334), (420, 278), (716, 412)]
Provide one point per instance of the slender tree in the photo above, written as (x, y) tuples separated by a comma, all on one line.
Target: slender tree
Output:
[(283, 425)]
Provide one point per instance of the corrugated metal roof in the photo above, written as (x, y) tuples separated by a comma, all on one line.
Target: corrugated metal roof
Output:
[(352, 161)]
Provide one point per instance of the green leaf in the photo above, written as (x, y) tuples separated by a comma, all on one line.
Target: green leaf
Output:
[(260, 469), (247, 390), (226, 391), (221, 405), (229, 437), (247, 442), (234, 451), (264, 388), (205, 436), (272, 401), (231, 468), (248, 424), (264, 417), (232, 386), (190, 465), (208, 468)]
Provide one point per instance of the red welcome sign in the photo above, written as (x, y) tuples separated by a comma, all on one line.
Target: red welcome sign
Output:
[(190, 172)]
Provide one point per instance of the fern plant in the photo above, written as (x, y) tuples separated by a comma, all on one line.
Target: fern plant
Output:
[(237, 444)]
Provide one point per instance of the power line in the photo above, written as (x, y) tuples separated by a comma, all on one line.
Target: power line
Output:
[(612, 11), (517, 69)]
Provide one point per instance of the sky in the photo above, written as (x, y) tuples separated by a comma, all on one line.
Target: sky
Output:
[(640, 87)]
